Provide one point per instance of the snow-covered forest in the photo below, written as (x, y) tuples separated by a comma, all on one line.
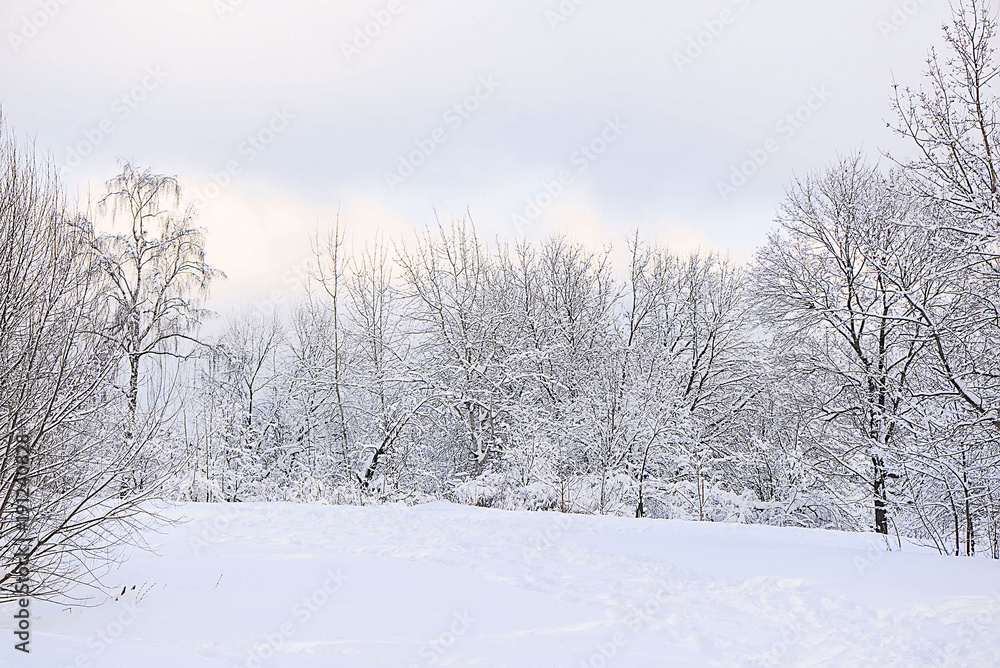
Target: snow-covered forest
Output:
[(847, 377)]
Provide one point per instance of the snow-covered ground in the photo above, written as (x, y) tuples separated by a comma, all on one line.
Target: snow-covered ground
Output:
[(444, 585)]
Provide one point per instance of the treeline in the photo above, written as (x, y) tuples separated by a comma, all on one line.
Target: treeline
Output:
[(845, 379)]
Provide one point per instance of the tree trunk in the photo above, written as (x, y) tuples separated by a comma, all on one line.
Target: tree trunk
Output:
[(127, 482), (133, 387), (881, 520)]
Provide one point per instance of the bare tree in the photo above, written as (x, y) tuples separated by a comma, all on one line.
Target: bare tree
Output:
[(328, 361), (693, 358), (446, 280), (246, 363), (158, 273), (386, 403), (59, 515), (823, 279), (953, 122)]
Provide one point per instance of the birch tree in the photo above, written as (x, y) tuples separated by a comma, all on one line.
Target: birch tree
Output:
[(158, 273)]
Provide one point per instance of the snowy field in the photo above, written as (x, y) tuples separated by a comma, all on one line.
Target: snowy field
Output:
[(444, 585)]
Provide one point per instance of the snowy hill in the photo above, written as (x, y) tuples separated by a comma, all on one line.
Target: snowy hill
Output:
[(444, 585)]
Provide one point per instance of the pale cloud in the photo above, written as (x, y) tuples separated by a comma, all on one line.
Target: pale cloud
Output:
[(230, 65)]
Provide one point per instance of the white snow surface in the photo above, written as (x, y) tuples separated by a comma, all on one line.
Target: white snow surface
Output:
[(447, 585)]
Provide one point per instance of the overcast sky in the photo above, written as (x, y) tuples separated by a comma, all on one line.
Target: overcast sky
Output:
[(605, 115)]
